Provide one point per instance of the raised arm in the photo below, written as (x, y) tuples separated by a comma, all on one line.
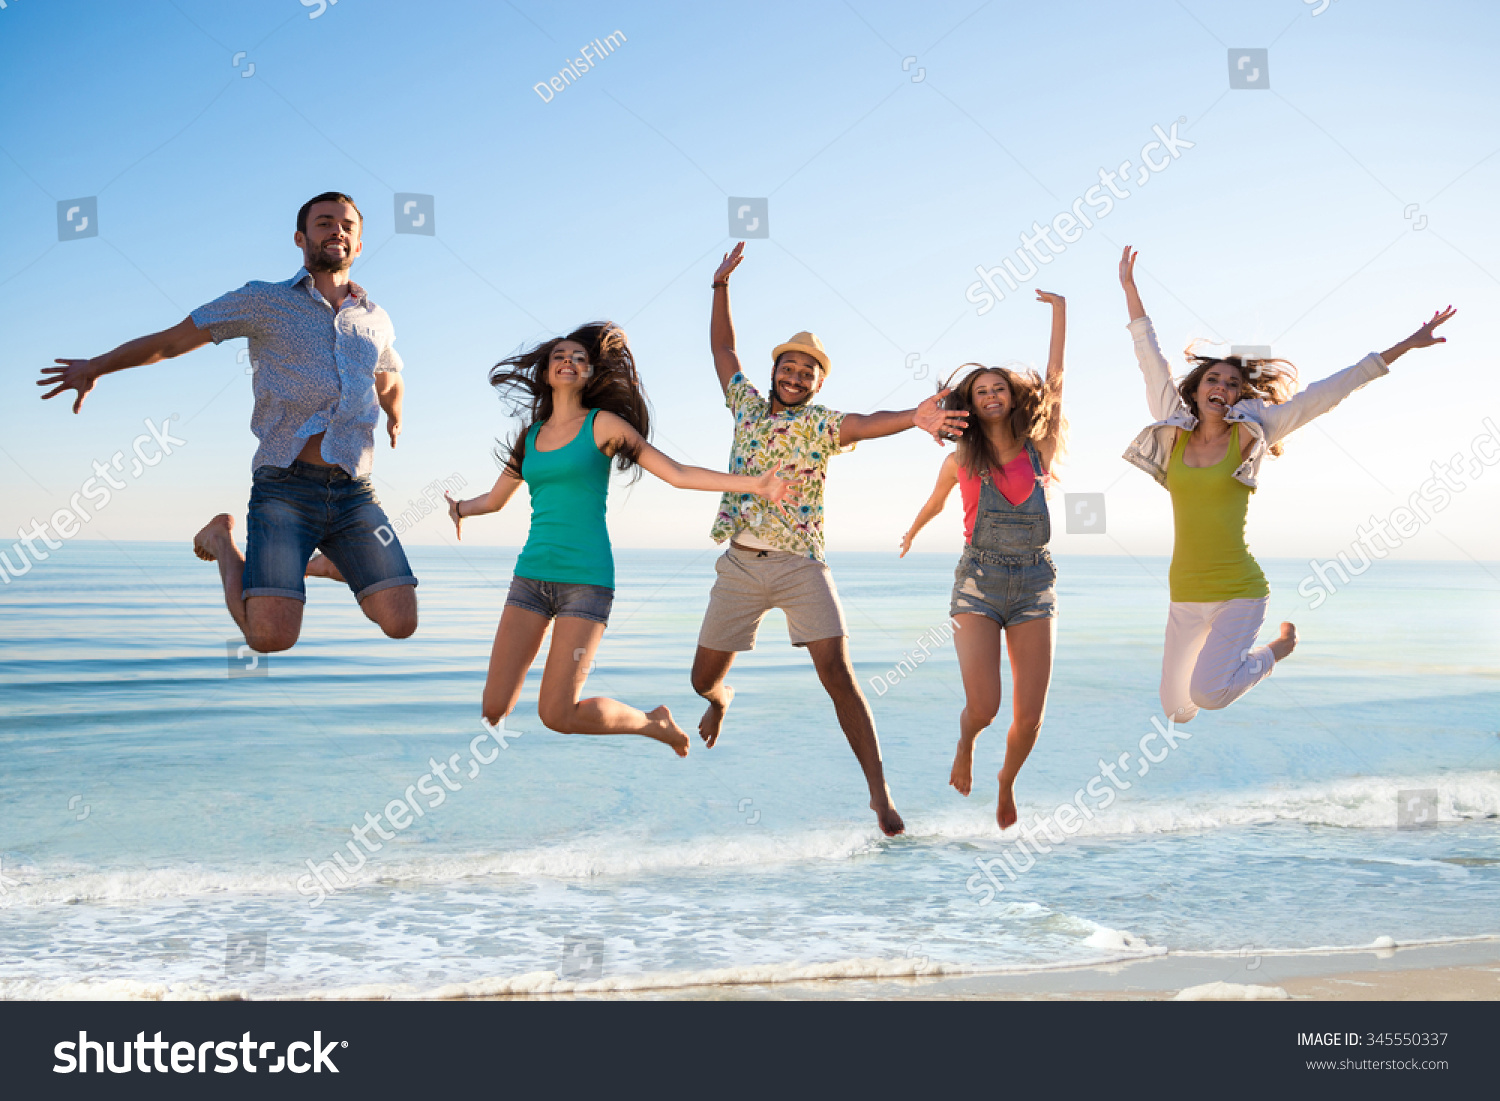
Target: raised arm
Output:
[(81, 374), (930, 417), (947, 478), (1127, 280), (1161, 395), (1048, 445), (1282, 419), (721, 327), (498, 496), (613, 433)]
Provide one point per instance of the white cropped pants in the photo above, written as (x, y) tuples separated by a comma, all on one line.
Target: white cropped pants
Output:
[(1210, 658)]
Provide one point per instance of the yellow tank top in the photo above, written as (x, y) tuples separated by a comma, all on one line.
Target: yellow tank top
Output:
[(1210, 559)]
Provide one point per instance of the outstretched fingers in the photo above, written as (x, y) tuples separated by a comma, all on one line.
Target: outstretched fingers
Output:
[(731, 261), (1425, 336), (71, 375)]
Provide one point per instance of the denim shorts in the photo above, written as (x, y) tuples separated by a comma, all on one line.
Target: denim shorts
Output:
[(1009, 589), (297, 509), (561, 598)]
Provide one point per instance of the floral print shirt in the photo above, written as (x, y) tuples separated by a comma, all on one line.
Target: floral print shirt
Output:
[(799, 442)]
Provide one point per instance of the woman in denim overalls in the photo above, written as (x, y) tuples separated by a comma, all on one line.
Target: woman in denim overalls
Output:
[(1005, 582)]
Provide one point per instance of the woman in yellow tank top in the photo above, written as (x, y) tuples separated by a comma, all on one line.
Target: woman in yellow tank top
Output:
[(1212, 430)]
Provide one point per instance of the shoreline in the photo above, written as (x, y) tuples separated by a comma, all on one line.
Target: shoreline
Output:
[(1463, 970)]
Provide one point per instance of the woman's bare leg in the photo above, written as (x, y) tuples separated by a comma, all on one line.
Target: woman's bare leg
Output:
[(517, 640), (1030, 646), (574, 642), (976, 640)]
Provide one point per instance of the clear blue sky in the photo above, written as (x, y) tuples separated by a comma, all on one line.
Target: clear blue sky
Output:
[(1283, 224)]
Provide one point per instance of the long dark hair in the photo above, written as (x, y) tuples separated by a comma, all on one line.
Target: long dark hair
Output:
[(1032, 403), (1271, 380), (614, 386)]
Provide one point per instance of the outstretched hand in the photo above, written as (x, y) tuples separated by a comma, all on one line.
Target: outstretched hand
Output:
[(938, 422), (458, 521), (1127, 267), (1423, 337), (905, 544), (1050, 298), (773, 486), (731, 261), (74, 374)]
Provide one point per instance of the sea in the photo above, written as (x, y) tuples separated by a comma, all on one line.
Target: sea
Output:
[(172, 805)]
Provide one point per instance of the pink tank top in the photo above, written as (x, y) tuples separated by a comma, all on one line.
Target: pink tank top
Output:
[(1014, 481)]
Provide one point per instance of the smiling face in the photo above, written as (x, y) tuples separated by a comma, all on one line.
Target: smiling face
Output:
[(332, 240), (990, 397), (568, 365), (1219, 388), (795, 378)]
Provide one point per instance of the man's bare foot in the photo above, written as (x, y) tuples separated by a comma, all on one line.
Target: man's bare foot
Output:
[(1005, 811), (890, 822), (208, 544), (1284, 644), (320, 566), (713, 718), (962, 776), (665, 730), (885, 814)]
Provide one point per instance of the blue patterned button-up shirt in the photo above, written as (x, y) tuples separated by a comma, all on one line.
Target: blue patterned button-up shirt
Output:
[(314, 367)]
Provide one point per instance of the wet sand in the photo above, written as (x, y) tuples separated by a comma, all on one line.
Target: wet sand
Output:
[(1464, 971)]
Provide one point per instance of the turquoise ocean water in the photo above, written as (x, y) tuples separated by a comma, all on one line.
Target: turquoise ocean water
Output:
[(159, 813)]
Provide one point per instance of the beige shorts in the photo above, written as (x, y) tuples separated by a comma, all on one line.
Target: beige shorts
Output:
[(751, 583)]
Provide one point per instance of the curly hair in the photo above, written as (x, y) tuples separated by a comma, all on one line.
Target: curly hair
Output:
[(614, 386), (1033, 404), (1271, 380)]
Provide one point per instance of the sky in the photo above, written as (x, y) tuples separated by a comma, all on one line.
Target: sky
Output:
[(1325, 208)]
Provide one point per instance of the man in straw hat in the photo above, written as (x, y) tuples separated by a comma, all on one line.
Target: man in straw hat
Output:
[(775, 553)]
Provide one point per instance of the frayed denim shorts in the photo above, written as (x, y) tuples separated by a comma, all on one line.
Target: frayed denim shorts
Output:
[(561, 598), (1009, 589), (297, 509)]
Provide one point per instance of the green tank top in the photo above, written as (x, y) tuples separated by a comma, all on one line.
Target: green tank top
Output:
[(568, 541), (1210, 559)]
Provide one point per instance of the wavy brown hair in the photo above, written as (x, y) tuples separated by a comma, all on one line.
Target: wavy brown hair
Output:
[(1271, 380), (1033, 403), (614, 386)]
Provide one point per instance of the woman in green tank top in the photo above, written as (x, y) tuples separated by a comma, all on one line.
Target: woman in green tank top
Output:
[(1212, 430), (586, 409)]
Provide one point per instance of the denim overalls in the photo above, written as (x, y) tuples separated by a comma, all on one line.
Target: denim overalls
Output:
[(1005, 571)]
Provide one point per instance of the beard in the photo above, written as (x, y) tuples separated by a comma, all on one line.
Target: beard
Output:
[(319, 260), (806, 397)]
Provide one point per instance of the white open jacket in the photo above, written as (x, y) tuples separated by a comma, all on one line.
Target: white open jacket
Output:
[(1267, 422)]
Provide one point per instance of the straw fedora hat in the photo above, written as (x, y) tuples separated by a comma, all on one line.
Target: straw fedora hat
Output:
[(807, 343)]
